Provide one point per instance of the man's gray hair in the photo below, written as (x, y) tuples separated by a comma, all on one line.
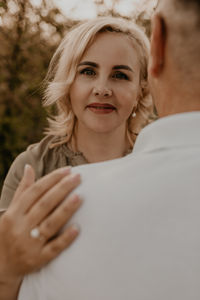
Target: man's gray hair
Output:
[(182, 18)]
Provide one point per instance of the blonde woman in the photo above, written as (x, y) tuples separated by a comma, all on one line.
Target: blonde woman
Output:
[(98, 81), (101, 105)]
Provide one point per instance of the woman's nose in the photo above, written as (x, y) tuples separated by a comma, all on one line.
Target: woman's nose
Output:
[(102, 92)]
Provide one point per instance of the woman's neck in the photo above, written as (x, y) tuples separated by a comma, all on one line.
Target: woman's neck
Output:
[(98, 147)]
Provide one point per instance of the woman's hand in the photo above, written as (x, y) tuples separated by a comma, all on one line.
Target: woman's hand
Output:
[(30, 234)]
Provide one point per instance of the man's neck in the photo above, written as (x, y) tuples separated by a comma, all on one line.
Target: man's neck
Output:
[(175, 97), (179, 104)]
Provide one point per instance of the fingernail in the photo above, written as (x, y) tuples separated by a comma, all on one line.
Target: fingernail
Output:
[(26, 167), (76, 199), (75, 229), (76, 176), (73, 178), (65, 170)]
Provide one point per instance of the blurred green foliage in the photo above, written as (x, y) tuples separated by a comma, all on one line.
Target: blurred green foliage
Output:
[(28, 38)]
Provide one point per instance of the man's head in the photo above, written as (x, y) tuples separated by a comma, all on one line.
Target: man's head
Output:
[(175, 56)]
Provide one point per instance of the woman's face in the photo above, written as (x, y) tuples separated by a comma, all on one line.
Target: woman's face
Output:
[(105, 90)]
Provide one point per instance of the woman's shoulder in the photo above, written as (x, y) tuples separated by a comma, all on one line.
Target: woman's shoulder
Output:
[(42, 148), (44, 156), (41, 157)]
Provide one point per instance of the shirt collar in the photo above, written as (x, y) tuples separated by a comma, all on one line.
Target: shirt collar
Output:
[(172, 131)]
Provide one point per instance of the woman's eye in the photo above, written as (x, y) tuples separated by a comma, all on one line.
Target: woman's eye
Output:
[(88, 72), (120, 75)]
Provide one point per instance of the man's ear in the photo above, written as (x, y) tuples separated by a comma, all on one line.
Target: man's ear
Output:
[(158, 38)]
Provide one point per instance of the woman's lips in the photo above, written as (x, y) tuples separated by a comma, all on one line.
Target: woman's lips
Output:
[(101, 108)]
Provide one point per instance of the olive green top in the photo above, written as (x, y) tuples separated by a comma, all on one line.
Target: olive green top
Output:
[(43, 159)]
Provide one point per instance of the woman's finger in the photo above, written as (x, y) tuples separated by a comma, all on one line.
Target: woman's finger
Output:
[(57, 245), (51, 199), (34, 192), (22, 250), (55, 222), (27, 180)]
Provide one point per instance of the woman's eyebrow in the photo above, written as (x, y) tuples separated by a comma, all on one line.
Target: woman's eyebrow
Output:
[(125, 67), (95, 65), (88, 63)]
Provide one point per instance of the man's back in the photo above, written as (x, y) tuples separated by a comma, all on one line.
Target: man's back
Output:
[(140, 224)]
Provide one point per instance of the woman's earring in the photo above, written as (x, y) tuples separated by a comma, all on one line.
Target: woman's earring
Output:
[(134, 114)]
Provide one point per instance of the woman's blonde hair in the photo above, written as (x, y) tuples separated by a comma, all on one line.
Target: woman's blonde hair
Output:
[(63, 68)]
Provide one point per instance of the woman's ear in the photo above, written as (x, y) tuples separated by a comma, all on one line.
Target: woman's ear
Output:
[(158, 39)]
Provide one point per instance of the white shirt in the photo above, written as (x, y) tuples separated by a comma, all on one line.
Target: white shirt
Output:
[(140, 224)]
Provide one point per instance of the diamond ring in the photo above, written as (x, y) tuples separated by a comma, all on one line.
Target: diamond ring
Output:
[(35, 233)]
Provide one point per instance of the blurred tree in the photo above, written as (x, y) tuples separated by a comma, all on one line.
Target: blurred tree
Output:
[(111, 8), (28, 37)]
